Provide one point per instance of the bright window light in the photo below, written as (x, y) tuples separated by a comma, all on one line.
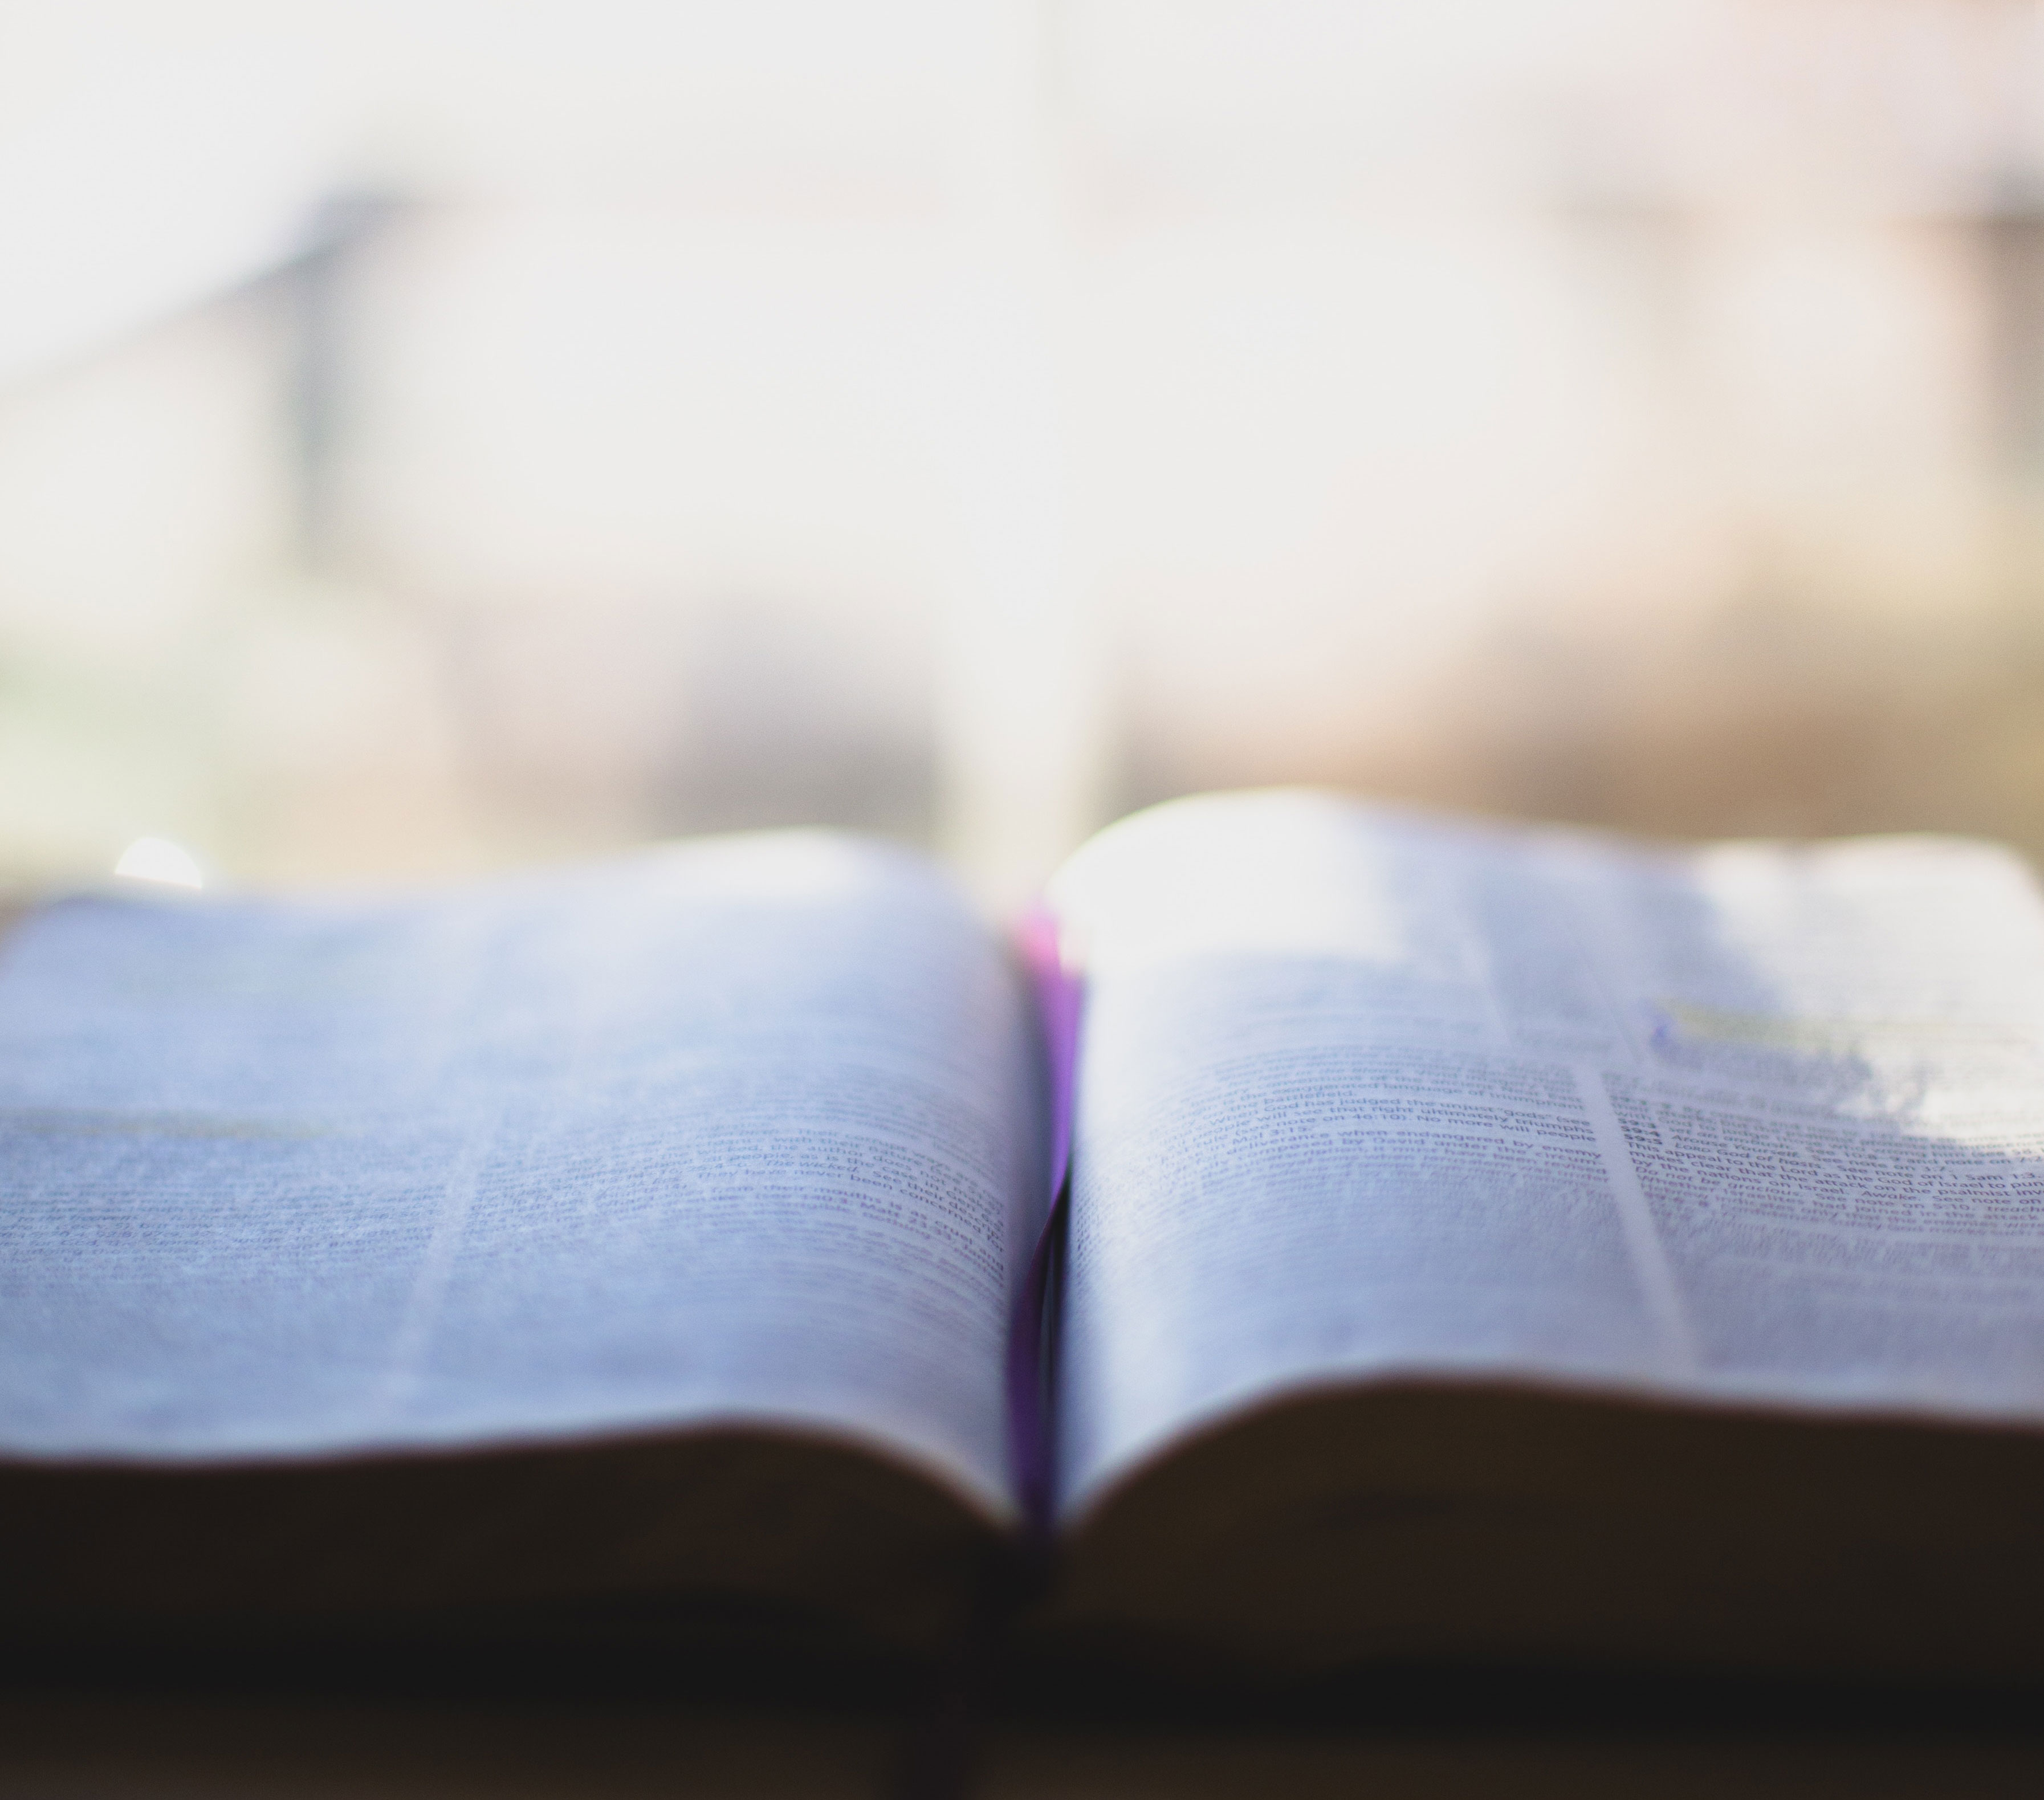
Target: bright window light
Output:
[(158, 859)]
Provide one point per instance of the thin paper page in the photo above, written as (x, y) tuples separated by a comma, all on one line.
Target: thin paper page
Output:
[(739, 1130), (1835, 1113), (1363, 1093)]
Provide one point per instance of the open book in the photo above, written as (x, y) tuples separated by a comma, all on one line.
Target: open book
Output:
[(1483, 1242)]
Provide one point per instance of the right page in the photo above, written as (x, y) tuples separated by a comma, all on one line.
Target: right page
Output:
[(1367, 1095)]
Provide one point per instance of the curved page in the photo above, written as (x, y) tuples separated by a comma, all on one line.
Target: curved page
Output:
[(736, 1131), (1364, 1094)]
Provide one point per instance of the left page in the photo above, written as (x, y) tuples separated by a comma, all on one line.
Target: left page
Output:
[(741, 1131)]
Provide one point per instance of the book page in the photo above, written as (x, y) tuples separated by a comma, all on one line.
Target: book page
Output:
[(1365, 1094), (743, 1131)]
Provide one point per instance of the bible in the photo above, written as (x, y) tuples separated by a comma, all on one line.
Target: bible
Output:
[(1478, 1240)]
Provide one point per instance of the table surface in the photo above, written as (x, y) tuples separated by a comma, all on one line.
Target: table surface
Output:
[(62, 1744)]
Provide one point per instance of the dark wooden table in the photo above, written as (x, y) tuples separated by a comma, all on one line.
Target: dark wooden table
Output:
[(136, 1743)]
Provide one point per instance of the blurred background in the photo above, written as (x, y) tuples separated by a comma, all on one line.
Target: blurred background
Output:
[(437, 435)]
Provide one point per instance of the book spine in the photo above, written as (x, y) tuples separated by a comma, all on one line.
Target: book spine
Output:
[(1059, 993)]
